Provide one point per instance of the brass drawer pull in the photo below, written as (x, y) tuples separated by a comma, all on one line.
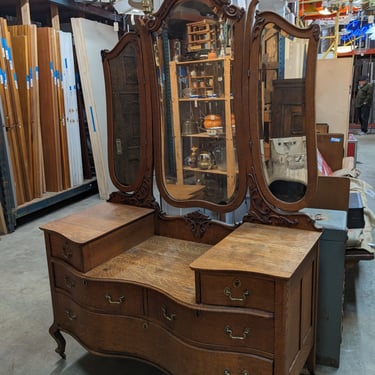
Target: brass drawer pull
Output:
[(228, 293), (70, 315), (119, 302), (229, 332), (165, 314), (69, 283)]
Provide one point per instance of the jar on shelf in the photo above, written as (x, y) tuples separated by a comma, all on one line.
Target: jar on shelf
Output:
[(220, 156)]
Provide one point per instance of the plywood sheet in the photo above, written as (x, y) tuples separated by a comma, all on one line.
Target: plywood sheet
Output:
[(333, 90), (65, 172), (90, 39), (49, 116), (71, 108), (29, 83), (12, 109)]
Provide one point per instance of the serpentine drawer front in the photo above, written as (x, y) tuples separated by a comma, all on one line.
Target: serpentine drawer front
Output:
[(104, 296), (272, 270), (135, 336), (245, 330), (245, 306)]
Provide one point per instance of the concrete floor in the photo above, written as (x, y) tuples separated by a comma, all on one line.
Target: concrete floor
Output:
[(26, 348)]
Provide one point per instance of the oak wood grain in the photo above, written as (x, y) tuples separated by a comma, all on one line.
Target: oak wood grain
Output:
[(259, 249), (160, 262)]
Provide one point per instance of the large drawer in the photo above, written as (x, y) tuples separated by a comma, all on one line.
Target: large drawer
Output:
[(129, 336), (104, 296), (240, 290), (234, 329)]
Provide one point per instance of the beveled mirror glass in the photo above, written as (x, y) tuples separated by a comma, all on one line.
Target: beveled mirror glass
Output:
[(195, 54), (283, 63)]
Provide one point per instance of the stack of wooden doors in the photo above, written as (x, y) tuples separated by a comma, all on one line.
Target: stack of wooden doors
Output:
[(39, 103)]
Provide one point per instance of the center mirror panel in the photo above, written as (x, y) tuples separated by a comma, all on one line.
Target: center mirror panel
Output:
[(195, 61)]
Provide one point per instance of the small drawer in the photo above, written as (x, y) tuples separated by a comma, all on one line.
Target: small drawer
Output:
[(214, 326), (245, 332), (236, 290), (66, 250), (86, 254), (103, 296)]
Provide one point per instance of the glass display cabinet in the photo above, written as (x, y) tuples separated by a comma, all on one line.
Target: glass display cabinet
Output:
[(203, 111), (204, 127)]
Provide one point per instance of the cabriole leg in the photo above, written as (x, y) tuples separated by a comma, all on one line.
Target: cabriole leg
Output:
[(56, 334)]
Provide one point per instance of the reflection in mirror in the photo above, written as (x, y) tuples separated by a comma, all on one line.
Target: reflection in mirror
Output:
[(194, 54), (126, 146), (282, 69)]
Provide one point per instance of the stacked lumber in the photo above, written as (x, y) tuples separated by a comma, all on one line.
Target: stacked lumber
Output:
[(7, 194), (50, 115), (25, 53), (39, 102), (16, 134)]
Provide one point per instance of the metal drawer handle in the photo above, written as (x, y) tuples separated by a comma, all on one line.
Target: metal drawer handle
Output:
[(244, 372), (70, 315), (119, 302), (229, 332), (165, 314), (228, 293), (69, 283)]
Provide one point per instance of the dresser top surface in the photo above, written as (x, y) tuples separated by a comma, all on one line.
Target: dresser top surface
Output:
[(96, 221), (259, 249), (160, 262)]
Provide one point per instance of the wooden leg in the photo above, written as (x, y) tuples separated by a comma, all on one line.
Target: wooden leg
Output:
[(310, 364), (56, 334)]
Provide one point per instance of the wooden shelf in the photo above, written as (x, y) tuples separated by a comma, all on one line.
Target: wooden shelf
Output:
[(50, 199), (357, 52), (223, 102)]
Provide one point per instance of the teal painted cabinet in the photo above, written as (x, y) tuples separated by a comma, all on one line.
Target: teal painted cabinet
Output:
[(331, 284)]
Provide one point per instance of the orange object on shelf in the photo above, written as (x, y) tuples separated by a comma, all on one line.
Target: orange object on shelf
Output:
[(212, 121)]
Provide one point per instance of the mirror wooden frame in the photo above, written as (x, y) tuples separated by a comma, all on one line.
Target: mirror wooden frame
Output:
[(236, 15), (139, 192), (262, 196)]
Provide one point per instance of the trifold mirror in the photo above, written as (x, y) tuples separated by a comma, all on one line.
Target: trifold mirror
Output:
[(218, 104), (197, 50)]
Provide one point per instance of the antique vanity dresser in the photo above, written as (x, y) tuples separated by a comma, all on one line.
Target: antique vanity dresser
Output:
[(159, 273)]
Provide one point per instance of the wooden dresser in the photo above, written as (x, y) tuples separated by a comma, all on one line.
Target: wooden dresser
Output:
[(245, 305), (194, 265)]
